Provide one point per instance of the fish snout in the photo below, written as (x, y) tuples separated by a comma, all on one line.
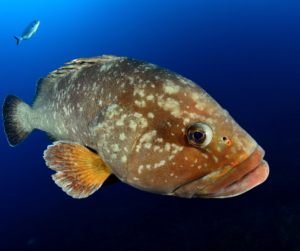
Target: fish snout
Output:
[(229, 181)]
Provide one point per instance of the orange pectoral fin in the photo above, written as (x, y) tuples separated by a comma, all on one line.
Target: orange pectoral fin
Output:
[(80, 172)]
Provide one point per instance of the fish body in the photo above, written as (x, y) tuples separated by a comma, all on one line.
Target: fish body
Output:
[(29, 31), (152, 128)]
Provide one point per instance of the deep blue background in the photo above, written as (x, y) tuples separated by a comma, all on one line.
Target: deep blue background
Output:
[(245, 54)]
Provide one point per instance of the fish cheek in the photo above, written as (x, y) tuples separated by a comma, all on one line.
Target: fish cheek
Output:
[(159, 165), (151, 171)]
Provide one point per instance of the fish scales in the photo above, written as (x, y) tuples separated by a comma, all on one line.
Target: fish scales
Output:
[(145, 123)]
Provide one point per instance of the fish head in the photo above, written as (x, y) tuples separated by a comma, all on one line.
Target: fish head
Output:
[(192, 147), (35, 24), (170, 137)]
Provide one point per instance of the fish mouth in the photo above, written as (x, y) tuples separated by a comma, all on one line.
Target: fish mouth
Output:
[(228, 181)]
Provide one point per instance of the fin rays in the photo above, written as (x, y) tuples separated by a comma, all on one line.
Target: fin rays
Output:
[(80, 172), (78, 64)]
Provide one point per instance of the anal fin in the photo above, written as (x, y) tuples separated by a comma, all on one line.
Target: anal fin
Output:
[(80, 172)]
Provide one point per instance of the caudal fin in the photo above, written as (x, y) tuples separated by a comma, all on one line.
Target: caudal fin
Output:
[(18, 39), (16, 116)]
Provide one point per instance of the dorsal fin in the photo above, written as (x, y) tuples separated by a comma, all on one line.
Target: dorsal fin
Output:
[(80, 63), (74, 65)]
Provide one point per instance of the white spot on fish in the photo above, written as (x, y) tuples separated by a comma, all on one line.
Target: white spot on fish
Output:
[(186, 120), (147, 145), (171, 88), (205, 155), (150, 97), (147, 137), (161, 163), (156, 148), (150, 115), (124, 159), (132, 125), (138, 115), (122, 136), (144, 122), (115, 148), (140, 169), (167, 146), (120, 122), (170, 105), (140, 103), (176, 148), (215, 158)]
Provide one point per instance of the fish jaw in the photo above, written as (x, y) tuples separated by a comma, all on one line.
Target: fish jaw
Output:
[(228, 181)]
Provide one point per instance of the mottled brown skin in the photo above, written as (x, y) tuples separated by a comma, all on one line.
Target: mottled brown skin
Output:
[(134, 115)]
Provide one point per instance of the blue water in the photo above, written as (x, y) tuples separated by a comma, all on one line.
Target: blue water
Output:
[(245, 54)]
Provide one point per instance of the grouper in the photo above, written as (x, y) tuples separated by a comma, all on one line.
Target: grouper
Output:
[(150, 127)]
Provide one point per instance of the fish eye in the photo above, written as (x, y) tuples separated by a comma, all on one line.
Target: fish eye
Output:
[(199, 134)]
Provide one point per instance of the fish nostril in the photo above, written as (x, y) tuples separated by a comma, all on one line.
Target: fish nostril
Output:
[(227, 141)]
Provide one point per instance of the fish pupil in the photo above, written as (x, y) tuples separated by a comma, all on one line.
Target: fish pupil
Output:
[(198, 135)]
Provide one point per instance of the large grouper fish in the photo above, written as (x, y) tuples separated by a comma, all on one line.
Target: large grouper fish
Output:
[(152, 128)]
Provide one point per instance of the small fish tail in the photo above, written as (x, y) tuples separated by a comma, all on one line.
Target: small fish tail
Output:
[(16, 119), (19, 39)]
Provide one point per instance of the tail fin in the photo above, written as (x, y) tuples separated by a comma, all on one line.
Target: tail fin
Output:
[(18, 39), (16, 116)]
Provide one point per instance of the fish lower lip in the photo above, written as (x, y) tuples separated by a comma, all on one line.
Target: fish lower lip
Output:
[(248, 181), (239, 179)]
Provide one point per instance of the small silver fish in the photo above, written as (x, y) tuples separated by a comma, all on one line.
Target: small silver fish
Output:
[(29, 31)]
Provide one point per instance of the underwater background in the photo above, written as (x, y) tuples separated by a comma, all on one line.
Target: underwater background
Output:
[(245, 54)]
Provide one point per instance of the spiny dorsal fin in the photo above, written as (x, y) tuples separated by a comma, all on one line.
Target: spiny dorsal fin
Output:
[(74, 65), (80, 63), (80, 172)]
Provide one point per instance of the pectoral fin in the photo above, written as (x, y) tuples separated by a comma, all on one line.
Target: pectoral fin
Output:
[(80, 172)]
